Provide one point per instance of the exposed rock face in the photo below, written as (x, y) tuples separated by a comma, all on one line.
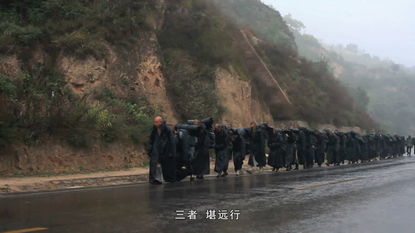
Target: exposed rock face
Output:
[(151, 79), (137, 71), (83, 76), (241, 106), (9, 65)]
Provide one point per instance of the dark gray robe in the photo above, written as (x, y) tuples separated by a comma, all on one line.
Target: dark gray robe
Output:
[(162, 152)]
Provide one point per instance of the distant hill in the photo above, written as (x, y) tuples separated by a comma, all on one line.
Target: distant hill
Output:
[(380, 86)]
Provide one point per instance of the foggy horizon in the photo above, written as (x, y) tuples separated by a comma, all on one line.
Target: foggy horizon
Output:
[(379, 28)]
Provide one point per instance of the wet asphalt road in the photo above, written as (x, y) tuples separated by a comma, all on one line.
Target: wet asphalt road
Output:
[(377, 197)]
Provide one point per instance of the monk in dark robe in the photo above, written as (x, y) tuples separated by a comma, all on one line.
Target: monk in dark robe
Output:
[(277, 147), (162, 152), (257, 156), (238, 149), (221, 151)]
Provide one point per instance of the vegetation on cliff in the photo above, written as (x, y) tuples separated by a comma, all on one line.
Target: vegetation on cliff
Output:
[(194, 37)]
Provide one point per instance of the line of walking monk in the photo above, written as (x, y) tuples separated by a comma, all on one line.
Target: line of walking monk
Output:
[(185, 150)]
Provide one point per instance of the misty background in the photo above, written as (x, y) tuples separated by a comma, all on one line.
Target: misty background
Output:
[(369, 46), (380, 27)]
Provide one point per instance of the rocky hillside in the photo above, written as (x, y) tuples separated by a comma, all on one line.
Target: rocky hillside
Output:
[(84, 78)]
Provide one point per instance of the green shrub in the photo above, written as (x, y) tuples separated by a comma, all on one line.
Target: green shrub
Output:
[(40, 105), (191, 86), (12, 35), (81, 45), (7, 87), (202, 33), (7, 135), (77, 27), (264, 21), (129, 118)]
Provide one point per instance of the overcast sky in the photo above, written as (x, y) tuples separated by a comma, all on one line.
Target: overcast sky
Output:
[(385, 28)]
